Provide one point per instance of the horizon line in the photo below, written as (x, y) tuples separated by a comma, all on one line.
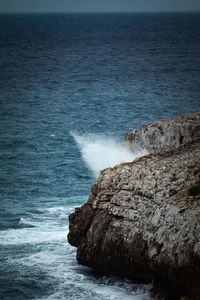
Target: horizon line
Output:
[(100, 12)]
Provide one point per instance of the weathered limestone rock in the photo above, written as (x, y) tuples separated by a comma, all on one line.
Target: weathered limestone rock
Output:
[(166, 135), (142, 220)]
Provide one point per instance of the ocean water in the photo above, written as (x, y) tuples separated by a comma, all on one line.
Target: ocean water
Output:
[(71, 86)]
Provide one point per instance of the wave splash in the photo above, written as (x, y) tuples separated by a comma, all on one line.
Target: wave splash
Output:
[(102, 152)]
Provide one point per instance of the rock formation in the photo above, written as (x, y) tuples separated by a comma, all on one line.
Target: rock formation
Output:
[(166, 135), (142, 219)]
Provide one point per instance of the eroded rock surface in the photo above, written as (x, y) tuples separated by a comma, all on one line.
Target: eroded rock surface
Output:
[(142, 220), (166, 135)]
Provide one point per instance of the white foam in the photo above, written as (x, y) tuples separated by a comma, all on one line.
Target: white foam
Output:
[(54, 256), (31, 236), (46, 227), (101, 152), (90, 290)]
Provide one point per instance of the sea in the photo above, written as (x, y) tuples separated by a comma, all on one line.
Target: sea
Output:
[(71, 86)]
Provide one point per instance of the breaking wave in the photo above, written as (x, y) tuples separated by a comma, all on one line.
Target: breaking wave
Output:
[(101, 152), (44, 250)]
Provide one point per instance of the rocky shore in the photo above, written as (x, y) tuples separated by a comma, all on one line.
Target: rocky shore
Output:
[(142, 219)]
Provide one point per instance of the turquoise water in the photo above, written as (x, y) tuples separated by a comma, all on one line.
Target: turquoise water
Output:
[(94, 77)]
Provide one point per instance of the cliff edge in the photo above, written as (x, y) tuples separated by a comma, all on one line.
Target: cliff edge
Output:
[(142, 219), (166, 135)]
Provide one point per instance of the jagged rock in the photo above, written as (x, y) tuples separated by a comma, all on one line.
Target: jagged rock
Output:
[(142, 220), (166, 135)]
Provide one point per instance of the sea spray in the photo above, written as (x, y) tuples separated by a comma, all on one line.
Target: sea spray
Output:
[(99, 152)]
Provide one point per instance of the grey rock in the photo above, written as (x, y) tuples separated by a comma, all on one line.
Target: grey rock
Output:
[(166, 135), (142, 219)]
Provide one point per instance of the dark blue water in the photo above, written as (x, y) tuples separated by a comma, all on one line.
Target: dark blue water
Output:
[(100, 74)]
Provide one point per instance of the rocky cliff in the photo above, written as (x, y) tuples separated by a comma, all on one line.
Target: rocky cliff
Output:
[(166, 135), (142, 219)]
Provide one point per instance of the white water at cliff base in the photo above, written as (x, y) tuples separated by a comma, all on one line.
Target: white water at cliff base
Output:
[(100, 152)]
